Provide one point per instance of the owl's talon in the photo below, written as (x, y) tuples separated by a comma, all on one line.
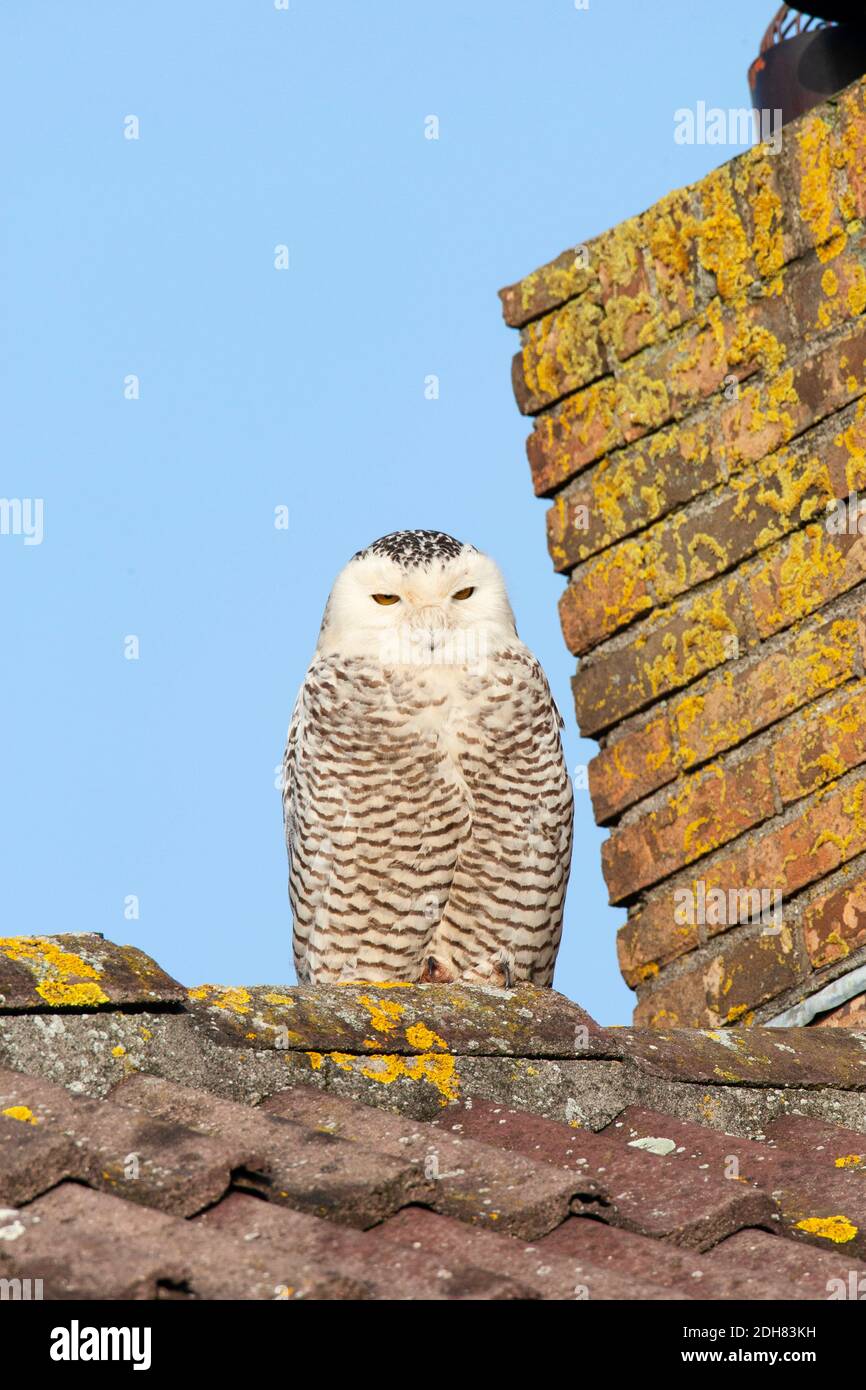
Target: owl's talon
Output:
[(506, 970), (434, 973)]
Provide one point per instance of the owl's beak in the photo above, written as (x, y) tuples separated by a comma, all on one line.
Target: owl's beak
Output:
[(429, 628), (430, 617)]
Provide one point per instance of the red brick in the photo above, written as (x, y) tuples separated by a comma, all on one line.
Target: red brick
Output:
[(561, 353), (822, 746), (631, 767), (644, 944), (850, 1015), (829, 831), (573, 435), (726, 990), (642, 483), (632, 487), (723, 709), (569, 275), (604, 596), (852, 144), (697, 816), (823, 295), (835, 925), (671, 649), (666, 230), (802, 573), (631, 320), (799, 395), (669, 381), (767, 501)]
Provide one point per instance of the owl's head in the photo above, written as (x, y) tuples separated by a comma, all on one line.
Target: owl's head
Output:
[(416, 597)]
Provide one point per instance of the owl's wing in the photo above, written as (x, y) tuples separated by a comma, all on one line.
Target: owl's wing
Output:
[(375, 813), (503, 918), (288, 778)]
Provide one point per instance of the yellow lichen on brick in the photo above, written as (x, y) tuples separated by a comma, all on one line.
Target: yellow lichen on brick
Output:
[(856, 296), (61, 995), (852, 150), (642, 400), (755, 178), (818, 208), (562, 347), (575, 420), (723, 246), (666, 234), (555, 283), (753, 342), (852, 805)]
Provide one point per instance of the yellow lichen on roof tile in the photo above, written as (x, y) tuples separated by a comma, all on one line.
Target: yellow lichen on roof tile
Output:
[(59, 972), (836, 1228), (22, 1113), (437, 1069), (384, 1014), (420, 1036), (234, 1000)]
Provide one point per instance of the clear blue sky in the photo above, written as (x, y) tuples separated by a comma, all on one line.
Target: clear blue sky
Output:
[(261, 388)]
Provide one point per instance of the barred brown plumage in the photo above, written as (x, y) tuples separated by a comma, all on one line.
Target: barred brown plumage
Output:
[(428, 809)]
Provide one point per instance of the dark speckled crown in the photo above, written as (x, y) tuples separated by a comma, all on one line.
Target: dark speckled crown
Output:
[(414, 549)]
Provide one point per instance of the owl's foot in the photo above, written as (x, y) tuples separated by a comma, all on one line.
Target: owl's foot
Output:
[(499, 973), (435, 973)]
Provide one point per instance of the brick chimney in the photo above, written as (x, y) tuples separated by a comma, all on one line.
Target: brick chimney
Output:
[(697, 378)]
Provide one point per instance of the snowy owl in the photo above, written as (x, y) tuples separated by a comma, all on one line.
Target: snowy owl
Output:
[(427, 805)]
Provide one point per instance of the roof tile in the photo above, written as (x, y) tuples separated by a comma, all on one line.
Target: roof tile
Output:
[(401, 1019), (751, 1264), (636, 1187), (561, 1161), (473, 1182), (79, 972), (91, 1245), (572, 1276), (799, 1057), (389, 1270), (109, 1147), (303, 1166)]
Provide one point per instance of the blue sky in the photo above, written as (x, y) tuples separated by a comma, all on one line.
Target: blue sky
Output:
[(262, 388)]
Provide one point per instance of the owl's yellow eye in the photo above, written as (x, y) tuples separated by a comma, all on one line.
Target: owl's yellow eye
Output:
[(464, 593), (386, 598)]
